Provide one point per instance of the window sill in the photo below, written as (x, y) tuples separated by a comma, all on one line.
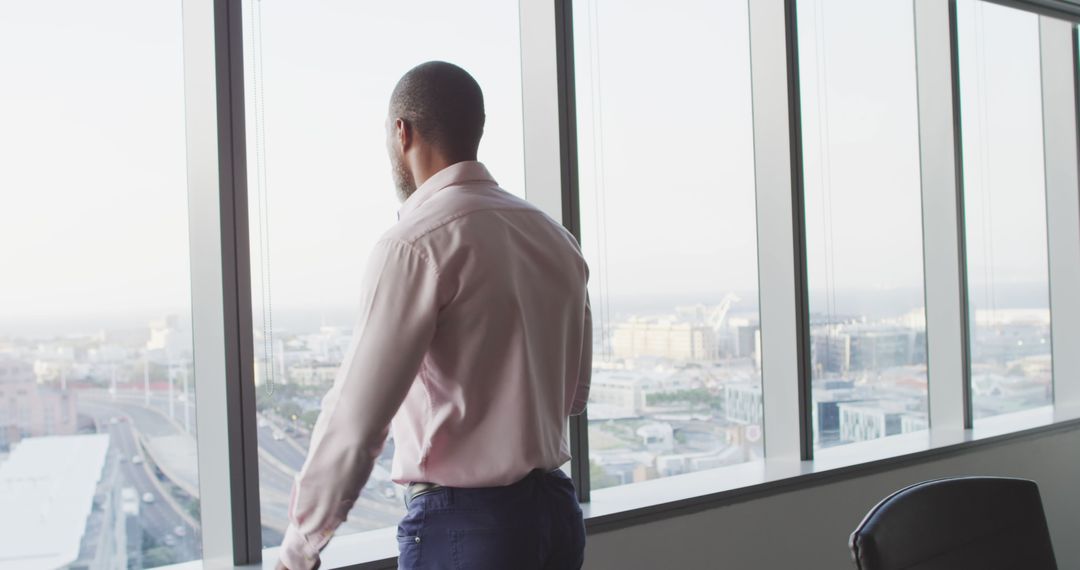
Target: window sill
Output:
[(617, 507), (626, 505)]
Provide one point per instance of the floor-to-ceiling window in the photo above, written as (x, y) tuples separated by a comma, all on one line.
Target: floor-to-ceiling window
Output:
[(98, 465), (665, 147), (1004, 207)]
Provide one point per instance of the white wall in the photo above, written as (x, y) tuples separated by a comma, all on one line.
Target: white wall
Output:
[(808, 529)]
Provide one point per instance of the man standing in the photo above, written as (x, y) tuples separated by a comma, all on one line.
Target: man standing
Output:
[(475, 339)]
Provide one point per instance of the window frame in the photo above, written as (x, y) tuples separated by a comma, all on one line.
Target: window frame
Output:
[(221, 280)]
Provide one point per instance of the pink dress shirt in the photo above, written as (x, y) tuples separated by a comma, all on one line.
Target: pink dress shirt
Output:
[(474, 339)]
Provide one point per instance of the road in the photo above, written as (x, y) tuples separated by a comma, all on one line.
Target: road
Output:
[(279, 461), (158, 519)]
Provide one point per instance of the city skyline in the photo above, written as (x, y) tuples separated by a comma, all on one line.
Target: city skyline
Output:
[(96, 314)]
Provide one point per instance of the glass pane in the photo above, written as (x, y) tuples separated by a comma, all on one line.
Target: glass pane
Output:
[(1004, 208), (319, 77), (97, 405), (667, 213), (863, 219)]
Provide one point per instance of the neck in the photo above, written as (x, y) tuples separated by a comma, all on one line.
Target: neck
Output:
[(426, 168)]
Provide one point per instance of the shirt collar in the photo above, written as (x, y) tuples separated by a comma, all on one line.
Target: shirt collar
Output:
[(455, 174)]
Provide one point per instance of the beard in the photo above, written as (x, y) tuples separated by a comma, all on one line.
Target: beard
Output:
[(404, 182)]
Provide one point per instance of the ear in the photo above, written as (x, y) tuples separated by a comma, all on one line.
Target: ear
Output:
[(403, 134)]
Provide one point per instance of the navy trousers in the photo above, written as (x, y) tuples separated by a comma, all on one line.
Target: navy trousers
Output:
[(534, 524)]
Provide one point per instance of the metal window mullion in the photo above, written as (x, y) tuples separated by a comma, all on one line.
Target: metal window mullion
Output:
[(1067, 9), (1058, 66), (232, 125), (550, 142), (220, 283), (782, 285), (944, 240), (571, 212)]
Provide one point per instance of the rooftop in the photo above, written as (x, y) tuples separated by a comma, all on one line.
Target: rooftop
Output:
[(45, 502)]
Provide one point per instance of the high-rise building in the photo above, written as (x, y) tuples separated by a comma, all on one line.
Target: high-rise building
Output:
[(663, 339), (840, 349)]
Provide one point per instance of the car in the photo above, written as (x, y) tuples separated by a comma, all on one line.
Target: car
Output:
[(262, 422), (129, 501), (148, 498), (180, 530), (114, 420), (278, 436), (136, 459), (170, 540)]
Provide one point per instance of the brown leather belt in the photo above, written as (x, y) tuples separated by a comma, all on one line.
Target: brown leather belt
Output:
[(415, 490)]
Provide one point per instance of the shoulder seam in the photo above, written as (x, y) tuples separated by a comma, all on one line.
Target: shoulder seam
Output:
[(444, 221)]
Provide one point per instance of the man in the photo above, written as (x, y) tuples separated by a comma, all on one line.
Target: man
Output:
[(475, 338)]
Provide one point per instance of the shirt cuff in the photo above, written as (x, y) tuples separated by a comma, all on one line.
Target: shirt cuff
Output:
[(296, 553)]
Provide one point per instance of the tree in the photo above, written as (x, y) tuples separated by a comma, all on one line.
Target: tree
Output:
[(290, 409), (158, 556), (307, 419)]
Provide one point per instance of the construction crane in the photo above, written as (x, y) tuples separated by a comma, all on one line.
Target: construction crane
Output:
[(716, 315)]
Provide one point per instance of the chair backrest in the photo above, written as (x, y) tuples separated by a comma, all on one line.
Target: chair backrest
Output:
[(984, 523)]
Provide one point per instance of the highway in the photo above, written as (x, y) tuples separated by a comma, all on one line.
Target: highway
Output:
[(158, 519), (279, 461)]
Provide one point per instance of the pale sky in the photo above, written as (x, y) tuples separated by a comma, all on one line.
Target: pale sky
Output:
[(1001, 112), (665, 131), (92, 163), (92, 166), (861, 148)]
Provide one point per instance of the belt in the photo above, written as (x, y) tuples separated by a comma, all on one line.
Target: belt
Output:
[(415, 490)]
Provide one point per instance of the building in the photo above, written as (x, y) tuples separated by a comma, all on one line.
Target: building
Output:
[(657, 437), (827, 397), (29, 409), (744, 403), (867, 420), (663, 339), (748, 342), (1005, 336), (168, 342), (58, 517), (312, 374), (840, 349), (617, 388), (633, 391)]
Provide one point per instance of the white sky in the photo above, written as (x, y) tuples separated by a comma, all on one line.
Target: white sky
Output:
[(1001, 113), (92, 143), (861, 147), (665, 133), (92, 167)]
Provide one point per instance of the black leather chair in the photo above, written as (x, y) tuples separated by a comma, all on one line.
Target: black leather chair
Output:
[(976, 523)]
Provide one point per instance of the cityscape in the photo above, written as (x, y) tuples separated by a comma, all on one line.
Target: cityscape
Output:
[(119, 406), (672, 392), (680, 391)]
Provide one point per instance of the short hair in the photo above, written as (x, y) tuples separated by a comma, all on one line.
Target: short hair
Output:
[(444, 104)]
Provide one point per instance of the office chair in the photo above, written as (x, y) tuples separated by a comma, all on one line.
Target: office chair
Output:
[(964, 523)]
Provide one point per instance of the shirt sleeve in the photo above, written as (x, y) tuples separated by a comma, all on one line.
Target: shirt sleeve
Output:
[(399, 308), (584, 380)]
